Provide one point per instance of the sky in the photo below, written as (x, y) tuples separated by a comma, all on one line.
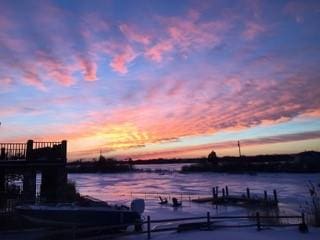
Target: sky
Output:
[(161, 78)]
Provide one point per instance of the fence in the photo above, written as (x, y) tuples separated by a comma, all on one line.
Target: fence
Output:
[(33, 150), (13, 151), (206, 222)]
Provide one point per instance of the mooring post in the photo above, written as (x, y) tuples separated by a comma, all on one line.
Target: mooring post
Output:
[(265, 196), (149, 227), (248, 193), (223, 193), (213, 192), (208, 220), (217, 191), (275, 196), (258, 221), (227, 191)]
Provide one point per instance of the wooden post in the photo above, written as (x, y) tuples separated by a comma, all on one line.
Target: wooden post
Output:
[(149, 228), (217, 191), (213, 192), (275, 196), (208, 220), (223, 193), (265, 196), (303, 220), (258, 221), (248, 193), (227, 191)]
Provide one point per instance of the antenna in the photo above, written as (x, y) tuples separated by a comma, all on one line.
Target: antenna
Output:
[(239, 148)]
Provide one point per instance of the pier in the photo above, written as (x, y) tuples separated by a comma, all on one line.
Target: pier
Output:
[(245, 199), (28, 159)]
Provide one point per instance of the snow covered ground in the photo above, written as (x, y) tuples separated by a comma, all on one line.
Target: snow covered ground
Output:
[(290, 233)]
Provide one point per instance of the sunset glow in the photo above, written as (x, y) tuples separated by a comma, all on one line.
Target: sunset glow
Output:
[(150, 79)]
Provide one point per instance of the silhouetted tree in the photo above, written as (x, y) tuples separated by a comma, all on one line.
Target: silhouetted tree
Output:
[(212, 157)]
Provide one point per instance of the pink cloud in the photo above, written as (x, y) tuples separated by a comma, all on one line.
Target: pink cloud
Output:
[(6, 83), (120, 60), (252, 30), (188, 33), (31, 77), (132, 34), (56, 69), (156, 52), (89, 68)]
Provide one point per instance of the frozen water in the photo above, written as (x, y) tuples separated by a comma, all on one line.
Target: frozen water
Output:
[(123, 187)]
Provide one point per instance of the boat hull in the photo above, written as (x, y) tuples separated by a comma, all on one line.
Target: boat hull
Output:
[(79, 217)]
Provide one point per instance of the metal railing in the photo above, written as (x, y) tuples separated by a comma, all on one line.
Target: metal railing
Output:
[(206, 222), (12, 151)]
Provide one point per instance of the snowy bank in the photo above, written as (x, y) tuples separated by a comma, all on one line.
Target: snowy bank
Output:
[(291, 233)]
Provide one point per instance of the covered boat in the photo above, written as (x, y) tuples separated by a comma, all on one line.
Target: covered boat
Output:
[(88, 214)]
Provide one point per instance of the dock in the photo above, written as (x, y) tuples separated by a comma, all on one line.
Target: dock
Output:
[(28, 159), (245, 199)]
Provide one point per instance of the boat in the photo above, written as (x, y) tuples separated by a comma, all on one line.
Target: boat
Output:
[(79, 214)]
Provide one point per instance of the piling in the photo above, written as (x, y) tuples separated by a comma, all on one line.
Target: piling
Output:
[(149, 227), (227, 191), (223, 193), (248, 193), (258, 221), (265, 196), (208, 220), (275, 196)]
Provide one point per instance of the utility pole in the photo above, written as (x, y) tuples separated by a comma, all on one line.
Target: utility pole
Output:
[(239, 148)]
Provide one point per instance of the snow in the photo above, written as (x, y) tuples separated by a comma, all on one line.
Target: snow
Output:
[(291, 233)]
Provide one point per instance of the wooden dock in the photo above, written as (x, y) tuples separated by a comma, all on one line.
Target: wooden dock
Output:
[(245, 199)]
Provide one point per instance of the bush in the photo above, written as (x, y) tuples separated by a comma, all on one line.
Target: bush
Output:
[(314, 203)]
